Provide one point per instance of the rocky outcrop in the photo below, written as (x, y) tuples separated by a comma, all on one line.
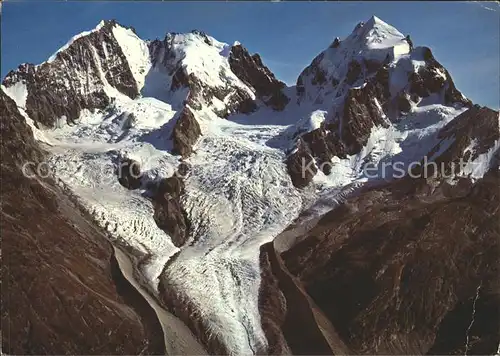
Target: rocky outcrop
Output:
[(480, 124), (300, 165), (61, 290), (315, 72), (398, 270), (55, 89), (18, 145), (237, 100), (251, 70), (185, 133), (354, 70), (314, 151), (168, 212), (472, 133), (363, 109), (335, 43), (434, 78), (129, 174)]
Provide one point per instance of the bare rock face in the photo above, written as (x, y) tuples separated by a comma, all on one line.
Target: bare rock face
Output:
[(353, 72), (399, 271), (62, 292), (298, 164), (363, 109), (56, 89), (434, 78), (185, 133), (403, 103), (129, 174), (18, 145), (288, 316), (254, 73), (336, 43), (472, 133), (169, 215)]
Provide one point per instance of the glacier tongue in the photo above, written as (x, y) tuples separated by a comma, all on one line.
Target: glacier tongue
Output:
[(239, 196)]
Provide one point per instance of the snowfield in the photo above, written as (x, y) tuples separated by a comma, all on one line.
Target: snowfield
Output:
[(238, 193)]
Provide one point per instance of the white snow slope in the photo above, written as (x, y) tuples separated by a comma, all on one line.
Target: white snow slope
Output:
[(238, 192), (373, 40)]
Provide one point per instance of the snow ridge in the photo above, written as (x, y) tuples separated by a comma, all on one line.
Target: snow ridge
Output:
[(74, 38)]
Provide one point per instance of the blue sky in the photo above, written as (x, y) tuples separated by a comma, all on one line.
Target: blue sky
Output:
[(464, 36)]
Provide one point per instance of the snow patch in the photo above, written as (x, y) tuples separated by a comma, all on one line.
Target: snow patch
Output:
[(311, 122), (136, 51), (478, 167), (17, 92)]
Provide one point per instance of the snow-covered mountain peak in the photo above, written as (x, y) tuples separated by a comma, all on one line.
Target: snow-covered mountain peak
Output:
[(371, 44), (226, 79), (373, 39), (109, 26), (94, 67), (378, 34), (111, 62), (74, 38), (371, 80), (375, 26)]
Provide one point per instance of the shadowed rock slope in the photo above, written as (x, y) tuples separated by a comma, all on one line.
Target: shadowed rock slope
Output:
[(408, 268), (62, 291)]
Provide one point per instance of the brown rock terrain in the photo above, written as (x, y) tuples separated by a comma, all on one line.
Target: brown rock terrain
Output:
[(426, 82), (129, 173), (478, 127), (185, 133), (404, 269), (292, 322), (296, 163), (251, 70), (169, 214)]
